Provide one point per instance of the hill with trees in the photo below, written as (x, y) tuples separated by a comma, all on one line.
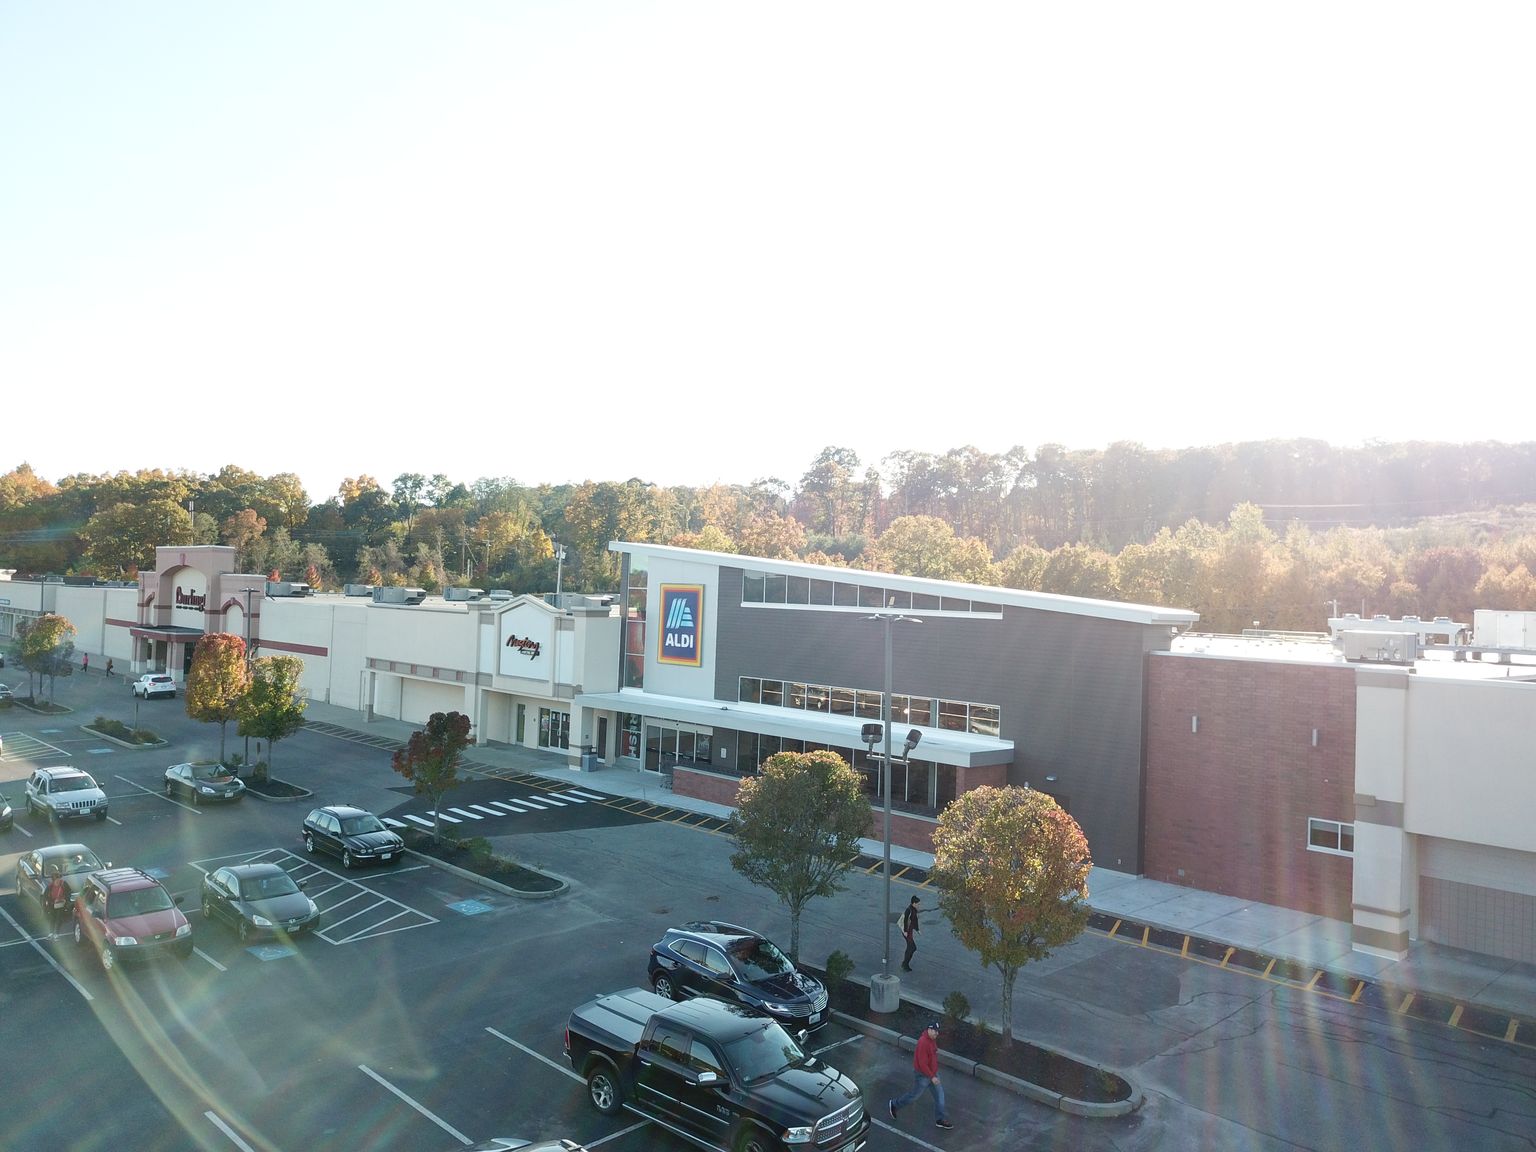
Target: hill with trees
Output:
[(1283, 532)]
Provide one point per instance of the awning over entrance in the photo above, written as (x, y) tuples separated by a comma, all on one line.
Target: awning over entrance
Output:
[(939, 745), (167, 633)]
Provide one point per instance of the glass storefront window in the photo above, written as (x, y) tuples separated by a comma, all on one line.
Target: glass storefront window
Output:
[(751, 690)]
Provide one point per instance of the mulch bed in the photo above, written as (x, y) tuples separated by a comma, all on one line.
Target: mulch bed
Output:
[(274, 789), (1026, 1061), (492, 867)]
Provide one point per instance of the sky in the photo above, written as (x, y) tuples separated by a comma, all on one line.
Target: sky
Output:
[(701, 242)]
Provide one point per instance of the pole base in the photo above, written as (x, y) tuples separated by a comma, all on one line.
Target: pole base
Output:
[(884, 993)]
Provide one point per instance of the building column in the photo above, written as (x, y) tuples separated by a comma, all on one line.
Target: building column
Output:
[(1385, 863)]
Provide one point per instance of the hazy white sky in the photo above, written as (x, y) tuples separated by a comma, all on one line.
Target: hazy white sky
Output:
[(699, 242)]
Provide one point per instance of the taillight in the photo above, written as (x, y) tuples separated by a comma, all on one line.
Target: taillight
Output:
[(567, 1039)]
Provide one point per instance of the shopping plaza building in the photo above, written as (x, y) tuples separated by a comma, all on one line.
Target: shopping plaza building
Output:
[(1387, 784)]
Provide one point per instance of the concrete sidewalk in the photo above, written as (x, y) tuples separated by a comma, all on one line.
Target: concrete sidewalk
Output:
[(1296, 940)]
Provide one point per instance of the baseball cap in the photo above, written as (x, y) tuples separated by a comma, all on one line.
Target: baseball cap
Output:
[(934, 1024)]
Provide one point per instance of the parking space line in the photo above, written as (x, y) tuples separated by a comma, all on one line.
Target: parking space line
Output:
[(438, 1120), (539, 1056), (210, 959), (228, 1131), (46, 955), (161, 795)]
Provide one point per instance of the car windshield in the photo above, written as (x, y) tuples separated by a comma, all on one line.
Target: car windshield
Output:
[(759, 959), (762, 1052), (266, 887), (138, 901), (73, 783), (357, 825), (77, 862), (216, 772)]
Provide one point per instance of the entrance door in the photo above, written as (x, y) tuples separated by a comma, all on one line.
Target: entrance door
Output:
[(602, 738), (522, 720)]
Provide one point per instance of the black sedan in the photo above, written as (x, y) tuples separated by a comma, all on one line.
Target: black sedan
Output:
[(732, 963), (7, 816), (202, 781), (258, 900), (35, 869), (354, 834)]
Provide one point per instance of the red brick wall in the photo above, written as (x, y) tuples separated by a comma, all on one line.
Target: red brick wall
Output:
[(1227, 805)]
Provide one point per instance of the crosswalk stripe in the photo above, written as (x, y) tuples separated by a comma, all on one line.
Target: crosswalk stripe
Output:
[(422, 820), (487, 811), (566, 796), (552, 800), (466, 815), (510, 807), (391, 822), (530, 803), (450, 819), (586, 795)]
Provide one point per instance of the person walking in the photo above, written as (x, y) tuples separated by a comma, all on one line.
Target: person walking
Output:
[(85, 662), (925, 1074), (909, 929), (109, 667)]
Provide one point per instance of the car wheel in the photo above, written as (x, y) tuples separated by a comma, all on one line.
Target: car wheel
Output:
[(79, 935), (604, 1091), (170, 790), (100, 816), (754, 1140), (108, 957), (245, 932), (195, 800), (663, 985), (309, 843), (346, 858), (207, 908)]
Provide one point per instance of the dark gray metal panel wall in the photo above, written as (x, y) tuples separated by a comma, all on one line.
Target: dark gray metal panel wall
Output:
[(1070, 688)]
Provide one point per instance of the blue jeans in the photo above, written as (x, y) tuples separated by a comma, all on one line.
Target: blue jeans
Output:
[(919, 1082)]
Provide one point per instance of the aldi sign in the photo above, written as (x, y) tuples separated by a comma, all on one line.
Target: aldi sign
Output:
[(682, 623)]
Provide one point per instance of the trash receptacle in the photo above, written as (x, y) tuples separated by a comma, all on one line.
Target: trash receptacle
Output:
[(590, 761)]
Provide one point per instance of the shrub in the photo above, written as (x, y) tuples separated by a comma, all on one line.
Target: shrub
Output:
[(478, 847), (956, 1007), (839, 965)]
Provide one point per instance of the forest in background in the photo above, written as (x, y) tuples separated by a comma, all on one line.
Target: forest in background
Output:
[(1278, 532)]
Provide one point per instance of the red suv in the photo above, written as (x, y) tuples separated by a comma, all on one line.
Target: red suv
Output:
[(126, 914)]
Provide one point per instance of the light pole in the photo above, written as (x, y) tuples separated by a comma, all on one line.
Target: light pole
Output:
[(559, 569), (885, 989), (248, 592)]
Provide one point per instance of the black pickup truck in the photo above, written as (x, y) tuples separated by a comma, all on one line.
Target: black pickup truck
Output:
[(714, 1073)]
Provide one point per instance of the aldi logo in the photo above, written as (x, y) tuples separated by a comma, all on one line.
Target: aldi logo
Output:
[(682, 619)]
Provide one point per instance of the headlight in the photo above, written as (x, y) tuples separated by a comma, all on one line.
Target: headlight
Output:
[(205, 789), (782, 1009), (314, 909), (184, 930), (122, 941), (797, 1135), (261, 922)]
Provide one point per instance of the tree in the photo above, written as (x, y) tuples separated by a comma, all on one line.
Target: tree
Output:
[(217, 680), (430, 759), (1012, 872), (272, 708), (797, 829), (47, 649)]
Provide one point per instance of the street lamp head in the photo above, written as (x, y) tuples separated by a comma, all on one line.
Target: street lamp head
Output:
[(914, 737), (870, 733)]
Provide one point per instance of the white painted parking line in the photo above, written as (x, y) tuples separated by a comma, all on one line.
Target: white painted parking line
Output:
[(160, 793), (563, 1069), (487, 811), (510, 807), (438, 1120), (584, 795), (44, 953), (199, 952), (228, 1131), (466, 815)]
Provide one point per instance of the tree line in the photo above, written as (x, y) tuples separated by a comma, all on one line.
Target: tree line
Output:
[(1280, 532)]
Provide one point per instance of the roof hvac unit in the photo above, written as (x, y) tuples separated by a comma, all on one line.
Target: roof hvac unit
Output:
[(463, 593), (399, 595), (1381, 647), (357, 589), (288, 588)]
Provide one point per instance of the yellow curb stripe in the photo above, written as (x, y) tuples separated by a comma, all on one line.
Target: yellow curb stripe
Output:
[(1406, 1004), (1509, 1033), (1456, 1015), (1316, 976), (1116, 928), (1184, 951), (1268, 968), (1228, 956), (1359, 988)]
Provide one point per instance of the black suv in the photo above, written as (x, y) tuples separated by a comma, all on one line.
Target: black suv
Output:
[(354, 834), (729, 962)]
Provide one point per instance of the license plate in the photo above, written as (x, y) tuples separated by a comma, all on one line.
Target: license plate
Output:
[(384, 856), (815, 1017)]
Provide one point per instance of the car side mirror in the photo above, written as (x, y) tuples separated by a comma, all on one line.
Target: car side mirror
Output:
[(707, 1078), (802, 1036), (303, 884), (178, 900)]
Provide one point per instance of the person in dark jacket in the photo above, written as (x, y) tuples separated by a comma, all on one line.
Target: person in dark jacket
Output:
[(909, 929), (56, 900), (925, 1074)]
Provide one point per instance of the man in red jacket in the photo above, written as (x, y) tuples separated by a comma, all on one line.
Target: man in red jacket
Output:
[(925, 1074)]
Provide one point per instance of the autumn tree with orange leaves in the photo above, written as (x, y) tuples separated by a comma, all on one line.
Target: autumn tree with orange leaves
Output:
[(217, 681), (1012, 872)]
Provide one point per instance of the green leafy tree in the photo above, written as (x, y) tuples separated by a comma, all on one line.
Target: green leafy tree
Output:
[(272, 708), (217, 681), (797, 829), (47, 650), (430, 760), (1012, 872)]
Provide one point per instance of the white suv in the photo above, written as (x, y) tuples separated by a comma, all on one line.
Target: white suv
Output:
[(154, 684), (65, 793)]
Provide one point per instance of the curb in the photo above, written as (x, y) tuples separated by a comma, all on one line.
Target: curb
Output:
[(1091, 1109), (302, 794), (476, 878)]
